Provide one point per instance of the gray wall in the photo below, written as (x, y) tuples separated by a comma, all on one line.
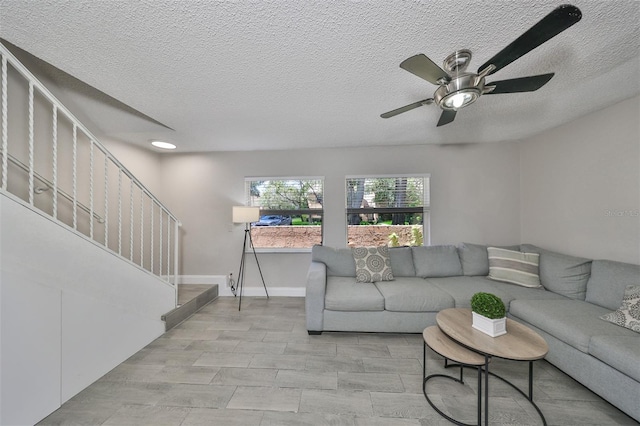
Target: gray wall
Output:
[(574, 189), (581, 185), (144, 164), (474, 197)]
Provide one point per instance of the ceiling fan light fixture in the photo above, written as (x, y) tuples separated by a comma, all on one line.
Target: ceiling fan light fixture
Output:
[(459, 99), (460, 92)]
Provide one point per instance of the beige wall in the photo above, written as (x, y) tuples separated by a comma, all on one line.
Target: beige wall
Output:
[(581, 185), (474, 196)]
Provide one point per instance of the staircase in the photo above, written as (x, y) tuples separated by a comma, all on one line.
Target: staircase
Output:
[(89, 259), (52, 163)]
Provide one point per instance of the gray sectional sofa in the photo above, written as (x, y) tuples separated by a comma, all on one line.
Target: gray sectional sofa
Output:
[(565, 310)]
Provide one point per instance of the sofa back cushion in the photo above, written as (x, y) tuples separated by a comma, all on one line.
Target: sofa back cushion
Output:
[(339, 261), (475, 258), (436, 261), (608, 282), (561, 273), (402, 262)]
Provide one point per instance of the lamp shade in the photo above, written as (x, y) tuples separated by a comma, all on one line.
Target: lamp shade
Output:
[(244, 214)]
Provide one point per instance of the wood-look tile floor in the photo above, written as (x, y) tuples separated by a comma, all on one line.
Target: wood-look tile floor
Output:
[(259, 367)]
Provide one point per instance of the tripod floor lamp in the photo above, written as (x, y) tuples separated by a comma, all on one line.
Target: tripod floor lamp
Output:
[(246, 215)]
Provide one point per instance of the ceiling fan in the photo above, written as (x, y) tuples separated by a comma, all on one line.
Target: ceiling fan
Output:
[(458, 89)]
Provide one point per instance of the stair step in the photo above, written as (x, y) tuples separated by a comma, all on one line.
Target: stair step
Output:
[(184, 311)]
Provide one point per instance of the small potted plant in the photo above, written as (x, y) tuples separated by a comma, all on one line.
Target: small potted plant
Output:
[(489, 314)]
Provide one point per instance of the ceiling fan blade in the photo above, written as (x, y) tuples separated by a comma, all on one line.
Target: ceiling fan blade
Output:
[(551, 25), (406, 108), (522, 84), (424, 68), (447, 117)]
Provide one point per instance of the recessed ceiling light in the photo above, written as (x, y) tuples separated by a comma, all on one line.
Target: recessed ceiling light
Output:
[(163, 145)]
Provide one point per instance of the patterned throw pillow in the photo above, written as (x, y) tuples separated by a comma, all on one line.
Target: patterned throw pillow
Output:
[(628, 314), (514, 267), (372, 264)]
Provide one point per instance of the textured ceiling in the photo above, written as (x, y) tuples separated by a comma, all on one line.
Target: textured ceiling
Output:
[(253, 75)]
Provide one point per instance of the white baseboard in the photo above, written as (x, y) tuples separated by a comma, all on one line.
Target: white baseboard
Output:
[(225, 290), (221, 280)]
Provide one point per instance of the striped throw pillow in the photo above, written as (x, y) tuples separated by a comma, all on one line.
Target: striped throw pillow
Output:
[(514, 267)]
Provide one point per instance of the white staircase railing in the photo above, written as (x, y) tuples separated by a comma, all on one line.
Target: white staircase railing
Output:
[(54, 164)]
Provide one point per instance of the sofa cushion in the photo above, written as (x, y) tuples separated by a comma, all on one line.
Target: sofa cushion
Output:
[(436, 261), (628, 314), (572, 321), (475, 259), (412, 294), (372, 264), (462, 288), (608, 282), (345, 294), (562, 274), (339, 261), (620, 352), (527, 293), (402, 262), (514, 267)]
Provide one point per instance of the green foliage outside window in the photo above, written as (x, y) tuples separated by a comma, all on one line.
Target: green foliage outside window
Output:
[(287, 194), (417, 236)]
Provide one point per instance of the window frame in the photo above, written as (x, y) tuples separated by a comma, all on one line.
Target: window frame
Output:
[(425, 210), (288, 212)]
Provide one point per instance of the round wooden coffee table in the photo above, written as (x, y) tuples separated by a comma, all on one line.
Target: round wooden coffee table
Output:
[(519, 344)]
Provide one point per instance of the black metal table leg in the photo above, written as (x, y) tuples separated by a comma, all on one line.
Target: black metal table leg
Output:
[(479, 397), (486, 389), (424, 359), (530, 380), (528, 396), (447, 365)]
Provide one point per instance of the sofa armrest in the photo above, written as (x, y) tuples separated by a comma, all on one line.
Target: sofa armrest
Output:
[(314, 297)]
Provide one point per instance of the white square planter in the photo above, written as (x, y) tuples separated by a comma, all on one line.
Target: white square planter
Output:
[(492, 327)]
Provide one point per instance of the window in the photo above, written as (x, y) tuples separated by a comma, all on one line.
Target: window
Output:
[(387, 210), (290, 211)]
